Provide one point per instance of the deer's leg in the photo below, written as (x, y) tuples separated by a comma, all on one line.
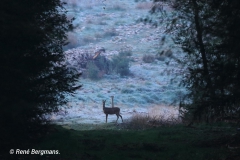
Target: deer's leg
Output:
[(117, 117), (121, 117), (106, 117)]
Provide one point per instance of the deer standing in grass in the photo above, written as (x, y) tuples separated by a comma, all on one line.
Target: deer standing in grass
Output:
[(114, 110)]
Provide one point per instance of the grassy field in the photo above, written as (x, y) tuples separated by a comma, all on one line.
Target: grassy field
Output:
[(164, 143)]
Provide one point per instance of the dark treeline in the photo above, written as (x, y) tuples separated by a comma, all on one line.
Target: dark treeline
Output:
[(208, 31), (33, 81)]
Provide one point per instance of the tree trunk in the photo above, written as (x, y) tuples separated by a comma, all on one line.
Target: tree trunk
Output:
[(200, 44)]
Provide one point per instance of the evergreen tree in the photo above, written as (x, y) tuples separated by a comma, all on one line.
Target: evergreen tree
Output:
[(34, 79)]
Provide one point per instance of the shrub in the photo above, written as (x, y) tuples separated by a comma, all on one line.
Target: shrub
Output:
[(83, 59), (120, 64), (139, 121), (148, 58), (96, 68), (92, 71), (103, 63), (144, 121)]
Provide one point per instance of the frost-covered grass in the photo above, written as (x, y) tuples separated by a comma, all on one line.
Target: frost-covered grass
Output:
[(112, 25)]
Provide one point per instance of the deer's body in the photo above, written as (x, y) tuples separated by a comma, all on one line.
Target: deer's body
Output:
[(113, 110)]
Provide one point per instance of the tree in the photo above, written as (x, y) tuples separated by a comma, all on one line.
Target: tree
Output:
[(34, 79), (207, 32), (226, 51)]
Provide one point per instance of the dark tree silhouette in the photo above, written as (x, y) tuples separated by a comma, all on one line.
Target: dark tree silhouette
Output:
[(208, 33), (34, 80)]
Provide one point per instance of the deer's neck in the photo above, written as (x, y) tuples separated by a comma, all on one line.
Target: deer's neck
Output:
[(104, 106), (112, 103)]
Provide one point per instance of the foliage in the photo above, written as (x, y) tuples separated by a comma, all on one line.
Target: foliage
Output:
[(92, 71), (207, 32), (103, 64), (96, 68), (120, 65), (146, 121), (33, 80)]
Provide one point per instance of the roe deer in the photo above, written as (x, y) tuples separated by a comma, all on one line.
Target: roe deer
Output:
[(108, 111)]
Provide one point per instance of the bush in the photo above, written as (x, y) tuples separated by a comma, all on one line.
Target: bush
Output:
[(92, 71), (96, 68), (139, 121), (103, 63), (148, 58), (120, 64), (144, 121)]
